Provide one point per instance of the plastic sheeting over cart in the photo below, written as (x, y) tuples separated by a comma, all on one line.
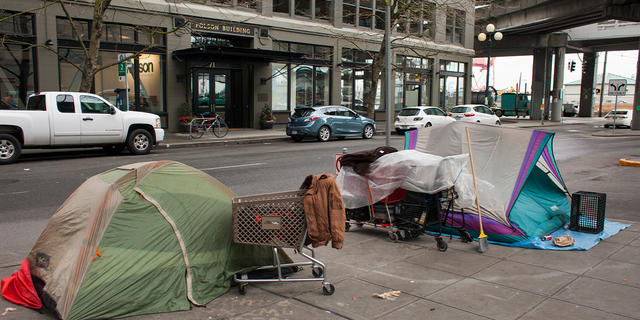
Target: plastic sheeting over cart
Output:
[(410, 170)]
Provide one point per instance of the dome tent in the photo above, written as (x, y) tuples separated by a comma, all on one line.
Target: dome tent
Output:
[(142, 238)]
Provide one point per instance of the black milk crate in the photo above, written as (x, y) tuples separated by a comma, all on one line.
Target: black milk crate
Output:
[(587, 212), (273, 219)]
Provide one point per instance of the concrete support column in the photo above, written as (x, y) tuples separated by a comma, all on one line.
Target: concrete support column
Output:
[(558, 85), (586, 87), (635, 122), (547, 83), (537, 86)]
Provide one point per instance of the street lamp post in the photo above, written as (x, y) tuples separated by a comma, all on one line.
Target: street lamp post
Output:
[(489, 37)]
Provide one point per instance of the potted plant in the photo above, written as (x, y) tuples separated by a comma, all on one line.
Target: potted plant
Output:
[(266, 117), (185, 117)]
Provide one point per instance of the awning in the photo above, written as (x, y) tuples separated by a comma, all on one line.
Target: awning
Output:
[(213, 53)]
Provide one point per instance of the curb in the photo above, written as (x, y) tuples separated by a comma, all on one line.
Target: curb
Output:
[(625, 162), (220, 142), (606, 134)]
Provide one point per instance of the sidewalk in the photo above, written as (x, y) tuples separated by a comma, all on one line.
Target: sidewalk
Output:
[(460, 283)]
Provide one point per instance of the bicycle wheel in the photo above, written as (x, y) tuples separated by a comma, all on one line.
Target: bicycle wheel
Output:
[(197, 130), (221, 129)]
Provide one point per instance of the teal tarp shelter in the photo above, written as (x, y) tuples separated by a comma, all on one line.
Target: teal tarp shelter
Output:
[(526, 196)]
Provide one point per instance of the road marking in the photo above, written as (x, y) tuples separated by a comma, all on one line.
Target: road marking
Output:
[(237, 166), (17, 192)]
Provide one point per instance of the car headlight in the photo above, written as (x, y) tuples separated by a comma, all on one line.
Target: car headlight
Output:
[(158, 122)]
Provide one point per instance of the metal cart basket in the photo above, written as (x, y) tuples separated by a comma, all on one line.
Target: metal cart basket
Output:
[(277, 220)]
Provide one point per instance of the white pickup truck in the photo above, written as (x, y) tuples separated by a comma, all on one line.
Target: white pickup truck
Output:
[(75, 119)]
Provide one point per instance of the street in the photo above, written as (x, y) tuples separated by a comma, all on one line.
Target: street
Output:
[(33, 188)]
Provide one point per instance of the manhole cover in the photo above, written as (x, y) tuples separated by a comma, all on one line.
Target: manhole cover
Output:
[(8, 181)]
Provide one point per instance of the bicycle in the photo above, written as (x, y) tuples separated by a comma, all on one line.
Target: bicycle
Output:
[(201, 125)]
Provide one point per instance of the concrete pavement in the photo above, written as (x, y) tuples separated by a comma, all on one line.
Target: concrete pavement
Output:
[(460, 283)]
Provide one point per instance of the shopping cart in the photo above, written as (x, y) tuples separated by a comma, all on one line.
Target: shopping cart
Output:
[(277, 220), (408, 214)]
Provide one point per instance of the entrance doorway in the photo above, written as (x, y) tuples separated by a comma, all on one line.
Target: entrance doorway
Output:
[(214, 92)]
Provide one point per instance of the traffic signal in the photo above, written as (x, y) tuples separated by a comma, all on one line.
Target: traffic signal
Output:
[(584, 66), (572, 66), (597, 91)]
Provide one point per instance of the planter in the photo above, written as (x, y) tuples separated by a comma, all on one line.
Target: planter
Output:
[(266, 124), (184, 127)]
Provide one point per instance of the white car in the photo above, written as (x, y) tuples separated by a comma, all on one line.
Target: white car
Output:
[(622, 118), (474, 113), (412, 118)]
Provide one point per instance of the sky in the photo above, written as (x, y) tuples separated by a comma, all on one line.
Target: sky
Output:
[(511, 70)]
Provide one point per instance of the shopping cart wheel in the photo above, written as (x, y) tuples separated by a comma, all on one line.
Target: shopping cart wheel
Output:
[(403, 235), (242, 288), (442, 246), (393, 237), (347, 227), (415, 233), (317, 272), (328, 289), (360, 225), (465, 236)]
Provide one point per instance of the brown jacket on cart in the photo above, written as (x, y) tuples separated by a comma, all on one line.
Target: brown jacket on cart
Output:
[(324, 211)]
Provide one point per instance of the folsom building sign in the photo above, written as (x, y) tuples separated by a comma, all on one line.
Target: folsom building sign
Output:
[(221, 27)]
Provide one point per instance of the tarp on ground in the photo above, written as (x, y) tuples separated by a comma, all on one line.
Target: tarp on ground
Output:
[(142, 238)]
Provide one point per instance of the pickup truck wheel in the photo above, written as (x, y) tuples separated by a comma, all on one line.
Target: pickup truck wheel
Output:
[(114, 149), (10, 149), (139, 142)]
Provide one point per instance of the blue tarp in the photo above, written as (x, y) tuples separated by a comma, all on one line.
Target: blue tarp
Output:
[(582, 241)]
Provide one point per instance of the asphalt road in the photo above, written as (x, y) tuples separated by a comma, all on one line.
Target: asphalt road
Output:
[(33, 188)]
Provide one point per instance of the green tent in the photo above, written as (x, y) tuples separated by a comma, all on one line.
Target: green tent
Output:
[(142, 238)]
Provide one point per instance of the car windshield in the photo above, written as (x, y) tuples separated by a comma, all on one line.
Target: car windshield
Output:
[(624, 112), (460, 109), (299, 113), (409, 112)]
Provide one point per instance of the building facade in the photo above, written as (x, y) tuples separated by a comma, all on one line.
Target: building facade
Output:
[(236, 56)]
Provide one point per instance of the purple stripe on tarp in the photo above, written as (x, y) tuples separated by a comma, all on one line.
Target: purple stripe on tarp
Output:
[(550, 163), (412, 140), (534, 144), (472, 223)]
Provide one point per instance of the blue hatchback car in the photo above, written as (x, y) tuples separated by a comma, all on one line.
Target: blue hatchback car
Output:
[(325, 122)]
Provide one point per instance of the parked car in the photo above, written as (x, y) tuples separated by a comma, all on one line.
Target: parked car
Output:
[(475, 113), (75, 119), (412, 118), (325, 122), (622, 118), (570, 110)]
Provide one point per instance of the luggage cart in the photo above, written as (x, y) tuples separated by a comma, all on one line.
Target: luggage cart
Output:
[(277, 220)]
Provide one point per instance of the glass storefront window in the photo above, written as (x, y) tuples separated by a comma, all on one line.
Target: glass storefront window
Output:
[(347, 87), (65, 30), (303, 86), (323, 84), (151, 80), (107, 80), (16, 75), (279, 84), (70, 76), (398, 91)]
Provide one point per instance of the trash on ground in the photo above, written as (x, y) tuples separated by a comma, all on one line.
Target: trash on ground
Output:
[(563, 241), (388, 295), (6, 310)]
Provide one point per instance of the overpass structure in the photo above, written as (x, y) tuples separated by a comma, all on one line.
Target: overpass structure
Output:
[(538, 28)]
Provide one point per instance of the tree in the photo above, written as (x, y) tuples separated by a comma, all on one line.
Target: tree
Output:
[(91, 48)]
